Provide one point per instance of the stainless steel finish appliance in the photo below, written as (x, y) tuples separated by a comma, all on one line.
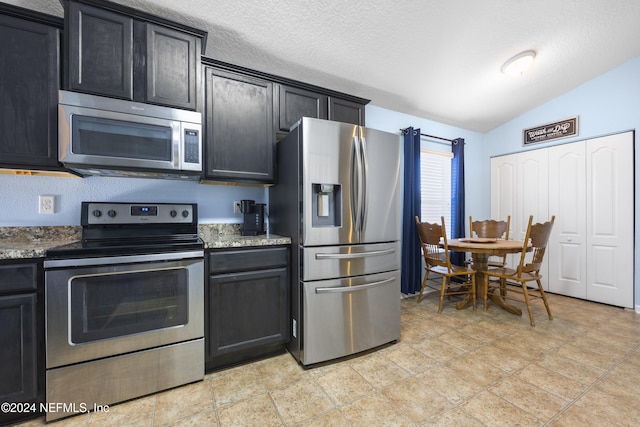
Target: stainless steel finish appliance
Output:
[(124, 306), (114, 137), (337, 196)]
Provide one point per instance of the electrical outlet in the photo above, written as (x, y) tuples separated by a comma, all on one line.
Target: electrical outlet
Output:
[(46, 204), (236, 207)]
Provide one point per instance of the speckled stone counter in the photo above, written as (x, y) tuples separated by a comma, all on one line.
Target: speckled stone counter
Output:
[(216, 236), (33, 242)]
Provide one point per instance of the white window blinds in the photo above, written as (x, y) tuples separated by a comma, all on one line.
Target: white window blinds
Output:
[(435, 186)]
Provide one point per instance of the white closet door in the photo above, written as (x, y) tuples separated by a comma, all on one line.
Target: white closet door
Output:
[(503, 195), (610, 199), (567, 201)]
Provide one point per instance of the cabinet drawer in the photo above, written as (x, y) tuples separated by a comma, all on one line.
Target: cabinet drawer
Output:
[(18, 277), (225, 261)]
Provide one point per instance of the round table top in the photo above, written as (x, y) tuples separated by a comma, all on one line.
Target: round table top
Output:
[(485, 246)]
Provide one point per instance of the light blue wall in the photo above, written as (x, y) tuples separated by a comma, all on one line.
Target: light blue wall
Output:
[(608, 104), (19, 197)]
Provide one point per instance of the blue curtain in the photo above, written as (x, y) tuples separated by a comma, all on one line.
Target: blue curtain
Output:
[(457, 197), (411, 257)]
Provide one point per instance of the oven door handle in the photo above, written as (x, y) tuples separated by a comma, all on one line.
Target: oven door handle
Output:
[(128, 259)]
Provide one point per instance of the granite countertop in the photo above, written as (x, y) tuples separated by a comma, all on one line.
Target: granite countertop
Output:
[(216, 236), (33, 241)]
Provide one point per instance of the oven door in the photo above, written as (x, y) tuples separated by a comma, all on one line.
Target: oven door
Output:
[(102, 307)]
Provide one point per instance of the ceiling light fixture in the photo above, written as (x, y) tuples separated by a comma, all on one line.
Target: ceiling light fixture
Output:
[(519, 64)]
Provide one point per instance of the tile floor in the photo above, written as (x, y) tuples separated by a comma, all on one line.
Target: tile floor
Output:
[(459, 368)]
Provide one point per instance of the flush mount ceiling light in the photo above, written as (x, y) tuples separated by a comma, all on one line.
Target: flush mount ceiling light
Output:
[(519, 64)]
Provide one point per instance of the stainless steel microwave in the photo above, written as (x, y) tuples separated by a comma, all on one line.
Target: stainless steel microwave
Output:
[(113, 137)]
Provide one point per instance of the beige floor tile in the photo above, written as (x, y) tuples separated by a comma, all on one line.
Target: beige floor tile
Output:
[(550, 381), (138, 412), (333, 418), (461, 341), (575, 416), (529, 398), (437, 349), (183, 402), (301, 400), (237, 384), (508, 361), (279, 371), (405, 395), (455, 418), (622, 412), (257, 411), (344, 385), (577, 371), (375, 410), (378, 370), (203, 419), (410, 359), (476, 370), (586, 356), (492, 410), (450, 384)]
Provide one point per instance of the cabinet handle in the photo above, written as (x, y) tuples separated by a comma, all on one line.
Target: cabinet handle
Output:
[(356, 255), (342, 289)]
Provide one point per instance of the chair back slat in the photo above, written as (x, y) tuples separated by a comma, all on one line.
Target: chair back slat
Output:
[(489, 228), (433, 239), (538, 234)]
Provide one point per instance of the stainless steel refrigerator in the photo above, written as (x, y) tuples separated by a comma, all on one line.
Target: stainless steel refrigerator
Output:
[(338, 197)]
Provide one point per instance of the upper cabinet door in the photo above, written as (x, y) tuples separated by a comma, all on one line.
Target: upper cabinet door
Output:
[(100, 52), (172, 64), (296, 103), (345, 111), (240, 131), (29, 83)]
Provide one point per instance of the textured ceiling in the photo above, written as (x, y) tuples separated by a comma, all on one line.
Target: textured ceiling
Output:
[(435, 59)]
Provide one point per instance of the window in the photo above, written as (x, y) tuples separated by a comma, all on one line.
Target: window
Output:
[(435, 186)]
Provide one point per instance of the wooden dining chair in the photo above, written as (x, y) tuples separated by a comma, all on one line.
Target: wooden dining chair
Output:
[(491, 229), (515, 280), (433, 239)]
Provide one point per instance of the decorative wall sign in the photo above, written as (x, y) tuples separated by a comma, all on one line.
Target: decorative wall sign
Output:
[(561, 129)]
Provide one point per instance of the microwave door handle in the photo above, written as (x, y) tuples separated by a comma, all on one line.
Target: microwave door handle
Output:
[(345, 289)]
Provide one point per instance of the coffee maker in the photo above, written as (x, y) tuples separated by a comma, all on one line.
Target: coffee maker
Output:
[(253, 224)]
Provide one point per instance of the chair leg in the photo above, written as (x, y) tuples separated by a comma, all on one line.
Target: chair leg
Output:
[(544, 298), (424, 282), (473, 290), (526, 300), (442, 291), (485, 292)]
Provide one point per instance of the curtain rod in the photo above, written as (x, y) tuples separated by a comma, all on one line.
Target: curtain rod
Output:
[(453, 141)]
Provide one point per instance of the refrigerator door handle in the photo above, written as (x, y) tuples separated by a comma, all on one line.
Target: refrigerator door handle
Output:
[(356, 167), (364, 177), (356, 255), (343, 289)]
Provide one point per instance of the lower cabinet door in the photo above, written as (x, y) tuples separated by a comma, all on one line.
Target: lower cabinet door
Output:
[(248, 316), (18, 357)]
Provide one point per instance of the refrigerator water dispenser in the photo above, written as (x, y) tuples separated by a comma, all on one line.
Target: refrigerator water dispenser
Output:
[(326, 207)]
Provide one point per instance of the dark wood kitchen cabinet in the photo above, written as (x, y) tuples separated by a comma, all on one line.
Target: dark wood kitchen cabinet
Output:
[(21, 338), (343, 110), (29, 83), (247, 304), (295, 103), (240, 133), (116, 51)]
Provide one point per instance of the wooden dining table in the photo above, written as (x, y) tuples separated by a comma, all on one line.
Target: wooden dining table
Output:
[(481, 249)]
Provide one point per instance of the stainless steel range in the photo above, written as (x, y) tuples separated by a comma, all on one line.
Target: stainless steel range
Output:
[(124, 307)]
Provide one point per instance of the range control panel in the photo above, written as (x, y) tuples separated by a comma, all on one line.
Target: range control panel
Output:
[(116, 213)]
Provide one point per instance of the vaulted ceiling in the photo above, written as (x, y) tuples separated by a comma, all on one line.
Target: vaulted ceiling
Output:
[(434, 59)]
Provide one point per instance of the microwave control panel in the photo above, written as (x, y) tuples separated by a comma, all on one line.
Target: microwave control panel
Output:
[(191, 146)]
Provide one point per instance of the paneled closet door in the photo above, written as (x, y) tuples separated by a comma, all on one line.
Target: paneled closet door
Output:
[(503, 195), (567, 200), (610, 228)]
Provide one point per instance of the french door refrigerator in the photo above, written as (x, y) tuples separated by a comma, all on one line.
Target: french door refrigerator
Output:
[(338, 197)]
